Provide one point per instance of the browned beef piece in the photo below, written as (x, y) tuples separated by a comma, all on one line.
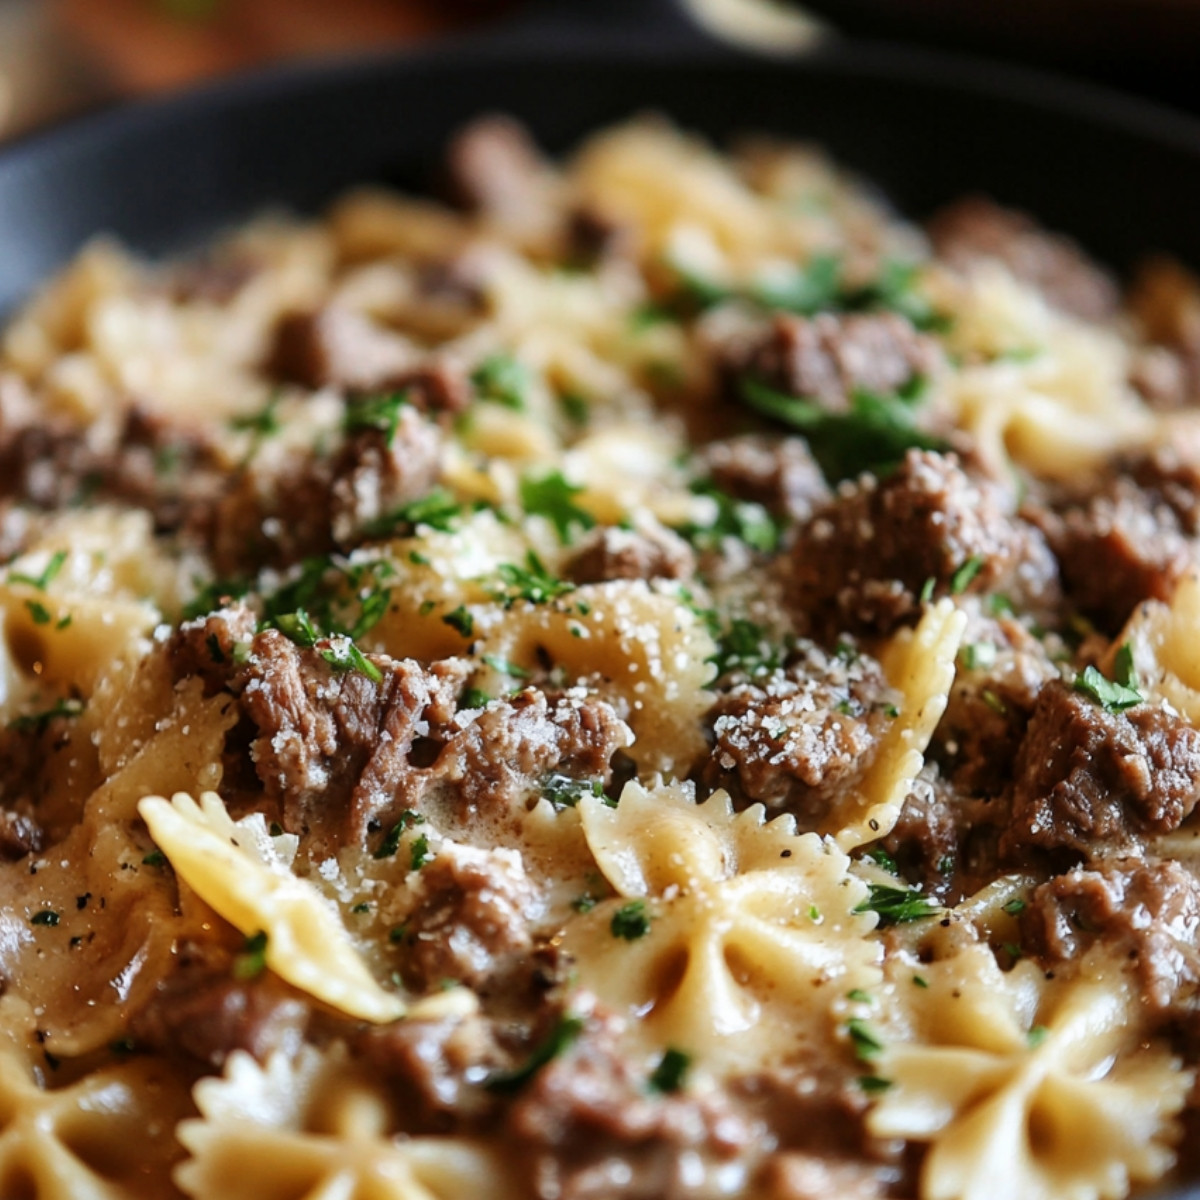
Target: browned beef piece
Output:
[(592, 237), (1171, 477), (798, 738), (778, 473), (792, 1175), (205, 646), (1146, 911), (168, 471), (335, 347), (1166, 300), (924, 842), (830, 356), (376, 471), (332, 747), (861, 562), (977, 228), (19, 835), (1119, 547), (471, 922), (493, 168), (437, 386), (499, 760), (1087, 777), (202, 1011), (593, 1130), (437, 1068), (273, 514), (612, 553)]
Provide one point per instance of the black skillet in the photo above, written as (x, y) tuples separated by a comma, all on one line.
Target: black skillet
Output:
[(1123, 176)]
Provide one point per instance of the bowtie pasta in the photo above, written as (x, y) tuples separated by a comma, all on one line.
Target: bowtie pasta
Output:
[(657, 679)]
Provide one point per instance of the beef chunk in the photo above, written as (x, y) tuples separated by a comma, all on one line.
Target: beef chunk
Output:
[(797, 739), (376, 471), (1087, 776), (1146, 912), (436, 386), (495, 169), (1166, 300), (205, 645), (437, 1067), (288, 505), (778, 473), (332, 747), (205, 1013), (594, 1131), (20, 834), (925, 839), (471, 920), (612, 553), (592, 237), (335, 347), (1127, 542), (170, 472), (862, 560), (499, 760), (830, 356), (976, 228)]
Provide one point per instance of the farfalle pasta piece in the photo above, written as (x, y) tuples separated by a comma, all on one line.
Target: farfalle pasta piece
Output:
[(1022, 1090), (234, 869), (919, 663), (317, 1128), (732, 936)]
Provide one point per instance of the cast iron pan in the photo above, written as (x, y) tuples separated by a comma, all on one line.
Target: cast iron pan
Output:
[(1123, 176)]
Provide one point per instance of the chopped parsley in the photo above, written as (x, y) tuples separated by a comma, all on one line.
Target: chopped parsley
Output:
[(437, 510), (961, 579), (391, 842), (564, 792), (865, 1041), (878, 854), (920, 981), (263, 423), (584, 903), (552, 497), (1014, 908), (744, 646), (575, 407), (380, 412), (557, 1042), (156, 858), (896, 906), (1036, 1036), (873, 435), (1112, 696), (252, 961), (814, 289), (671, 1071), (505, 667), (343, 655), (214, 596), (46, 917), (475, 697), (873, 1084), (39, 612), (38, 721), (750, 523), (42, 581), (461, 621), (978, 656), (1124, 671), (419, 853), (927, 590), (502, 380), (531, 582), (630, 921), (859, 996), (994, 702)]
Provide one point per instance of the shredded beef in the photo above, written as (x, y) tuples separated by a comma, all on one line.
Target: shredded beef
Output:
[(924, 842), (500, 758), (778, 473), (612, 553), (201, 1010), (332, 748), (471, 922), (494, 168), (862, 561), (1145, 911), (977, 228), (594, 1131), (376, 472), (336, 347), (1086, 777), (830, 356), (437, 1067), (1166, 300), (205, 646), (798, 738)]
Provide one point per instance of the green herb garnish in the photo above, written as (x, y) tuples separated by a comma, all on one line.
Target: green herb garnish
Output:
[(253, 959), (461, 621), (380, 412), (961, 579), (502, 380), (391, 843), (671, 1071), (42, 581), (552, 497), (896, 906), (864, 1040), (531, 582), (1113, 697), (630, 921), (559, 1040)]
